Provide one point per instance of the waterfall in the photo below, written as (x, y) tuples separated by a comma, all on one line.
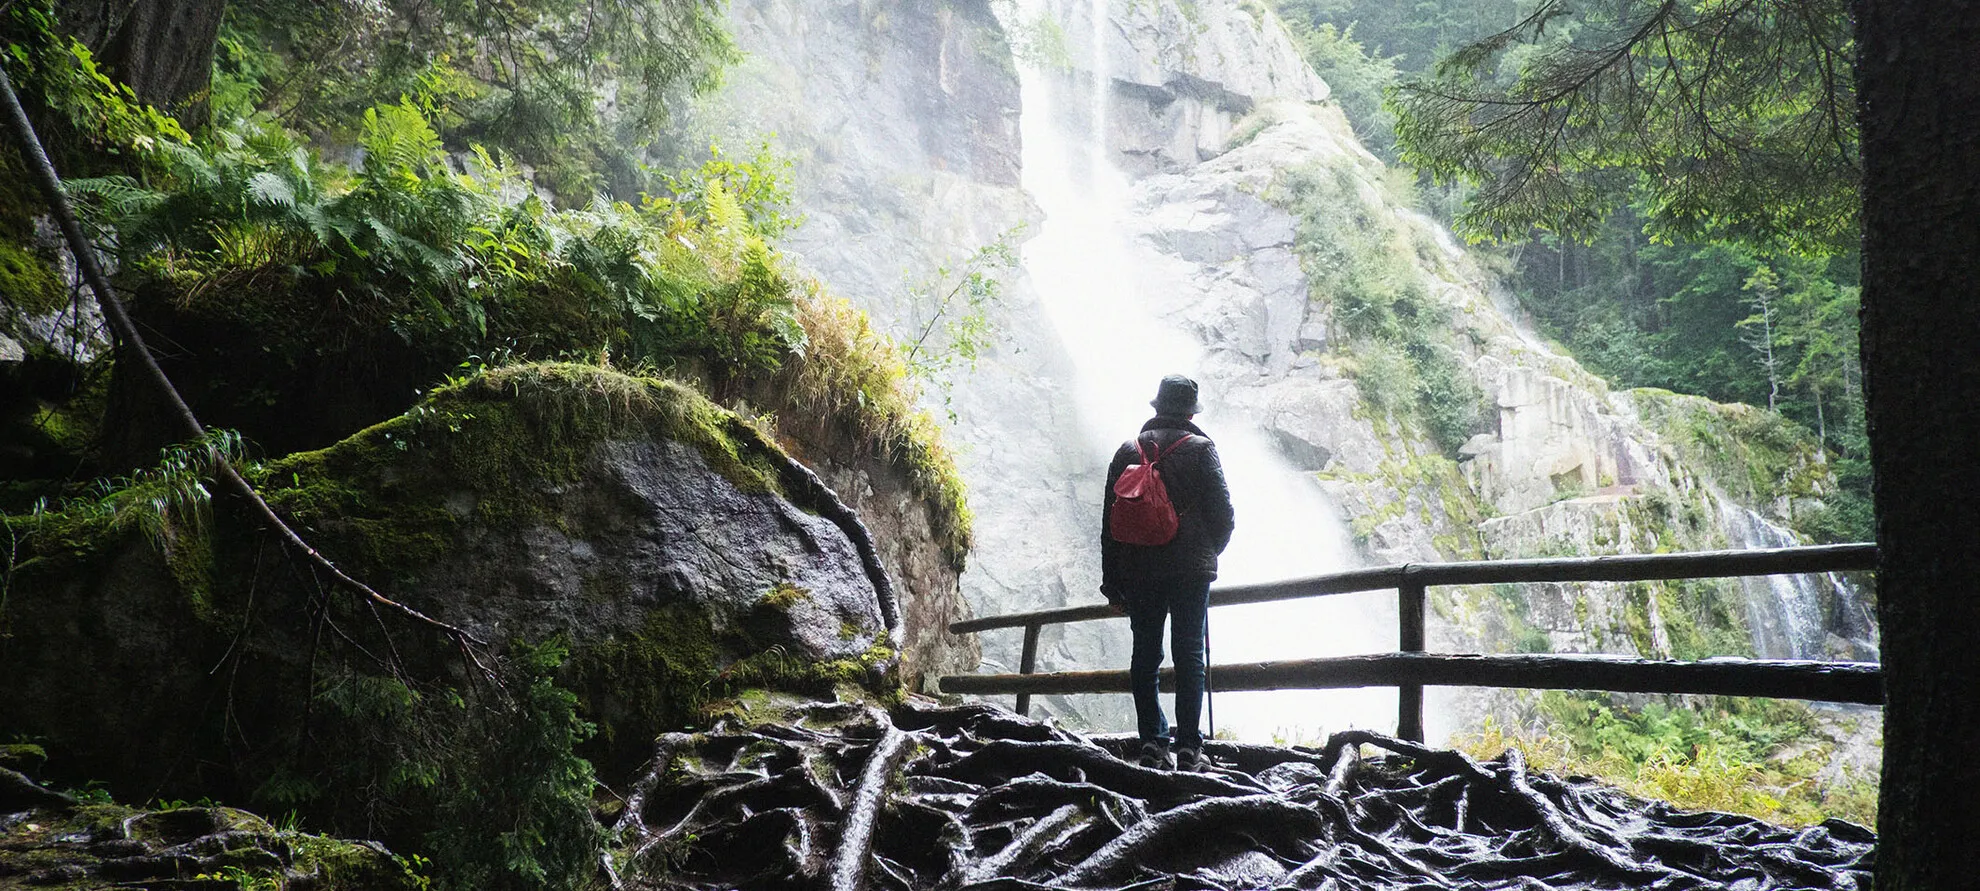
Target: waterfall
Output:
[(1097, 285), (1788, 615)]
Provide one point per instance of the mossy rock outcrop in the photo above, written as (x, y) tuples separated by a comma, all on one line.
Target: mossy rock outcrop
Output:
[(51, 840), (634, 555)]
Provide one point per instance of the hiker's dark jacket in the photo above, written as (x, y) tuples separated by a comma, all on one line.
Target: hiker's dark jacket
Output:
[(1194, 478)]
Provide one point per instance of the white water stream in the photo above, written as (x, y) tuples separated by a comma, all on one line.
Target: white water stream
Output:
[(1097, 285), (1788, 614)]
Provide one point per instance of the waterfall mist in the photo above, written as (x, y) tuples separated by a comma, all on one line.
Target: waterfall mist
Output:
[(1102, 292)]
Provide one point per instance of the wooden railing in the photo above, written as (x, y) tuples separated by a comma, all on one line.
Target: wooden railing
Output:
[(1411, 669)]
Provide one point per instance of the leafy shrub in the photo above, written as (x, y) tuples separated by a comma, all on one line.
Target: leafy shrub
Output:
[(575, 88), (1399, 335), (60, 75), (493, 781), (1360, 81), (455, 259), (1762, 758)]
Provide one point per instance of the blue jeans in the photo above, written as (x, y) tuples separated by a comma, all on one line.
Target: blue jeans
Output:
[(1150, 603)]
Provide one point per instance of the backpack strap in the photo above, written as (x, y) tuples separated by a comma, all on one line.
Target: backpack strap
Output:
[(1142, 446)]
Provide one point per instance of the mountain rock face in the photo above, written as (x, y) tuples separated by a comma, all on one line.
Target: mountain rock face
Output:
[(1267, 235), (1181, 74), (900, 120)]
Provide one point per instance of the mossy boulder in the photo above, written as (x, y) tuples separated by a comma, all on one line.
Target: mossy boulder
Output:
[(567, 500), (634, 556), (53, 840)]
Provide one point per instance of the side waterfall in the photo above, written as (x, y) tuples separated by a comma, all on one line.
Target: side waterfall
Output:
[(1790, 614), (1096, 285)]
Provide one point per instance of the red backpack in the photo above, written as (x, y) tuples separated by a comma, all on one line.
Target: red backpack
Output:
[(1142, 514)]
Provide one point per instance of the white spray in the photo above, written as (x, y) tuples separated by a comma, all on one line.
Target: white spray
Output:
[(1096, 285)]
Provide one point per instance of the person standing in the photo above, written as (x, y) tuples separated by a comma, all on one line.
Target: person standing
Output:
[(1158, 583)]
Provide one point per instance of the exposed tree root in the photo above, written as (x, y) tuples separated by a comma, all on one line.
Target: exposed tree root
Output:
[(971, 798)]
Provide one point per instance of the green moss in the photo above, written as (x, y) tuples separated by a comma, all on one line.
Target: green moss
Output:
[(874, 673), (1432, 483), (341, 864), (22, 756), (487, 447), (29, 283), (785, 595), (637, 686), (673, 675), (1754, 455), (46, 841)]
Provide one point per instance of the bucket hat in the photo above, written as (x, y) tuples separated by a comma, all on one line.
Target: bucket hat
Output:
[(1176, 396)]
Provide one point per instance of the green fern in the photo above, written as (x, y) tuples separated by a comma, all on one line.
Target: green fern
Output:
[(398, 142)]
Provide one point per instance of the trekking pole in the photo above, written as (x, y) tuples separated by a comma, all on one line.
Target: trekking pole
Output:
[(1209, 701)]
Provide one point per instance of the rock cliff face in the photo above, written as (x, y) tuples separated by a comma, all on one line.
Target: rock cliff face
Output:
[(1262, 230)]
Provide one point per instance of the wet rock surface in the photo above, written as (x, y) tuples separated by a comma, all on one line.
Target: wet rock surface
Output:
[(844, 796)]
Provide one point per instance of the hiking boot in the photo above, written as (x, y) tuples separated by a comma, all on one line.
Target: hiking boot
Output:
[(1155, 755), (1190, 759)]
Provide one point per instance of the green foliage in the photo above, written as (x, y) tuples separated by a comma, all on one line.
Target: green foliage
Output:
[(573, 87), (1410, 35), (1764, 758), (60, 75), (169, 504), (1664, 311), (1726, 121), (455, 263), (1040, 42), (495, 778), (1680, 317), (855, 377), (29, 283), (530, 788), (1449, 402), (759, 184), (1359, 80), (1358, 264), (952, 312)]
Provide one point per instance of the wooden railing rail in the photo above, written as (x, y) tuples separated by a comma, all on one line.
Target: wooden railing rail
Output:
[(1411, 669)]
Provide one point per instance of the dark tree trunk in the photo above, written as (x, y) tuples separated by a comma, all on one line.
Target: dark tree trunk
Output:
[(1919, 89), (162, 48)]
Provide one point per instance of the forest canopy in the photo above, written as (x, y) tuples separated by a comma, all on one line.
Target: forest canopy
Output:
[(1723, 121), (574, 89)]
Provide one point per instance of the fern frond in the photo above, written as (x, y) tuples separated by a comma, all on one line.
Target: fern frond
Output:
[(191, 166), (119, 197), (397, 140), (269, 189)]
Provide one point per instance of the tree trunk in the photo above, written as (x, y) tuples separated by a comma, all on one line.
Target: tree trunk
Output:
[(1921, 356), (163, 49)]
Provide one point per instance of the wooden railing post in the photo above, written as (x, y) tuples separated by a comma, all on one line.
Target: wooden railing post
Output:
[(1411, 598), (1027, 663)]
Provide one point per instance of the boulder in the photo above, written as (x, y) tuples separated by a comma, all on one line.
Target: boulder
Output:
[(628, 556)]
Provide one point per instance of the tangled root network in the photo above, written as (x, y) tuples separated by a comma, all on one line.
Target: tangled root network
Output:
[(845, 797)]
